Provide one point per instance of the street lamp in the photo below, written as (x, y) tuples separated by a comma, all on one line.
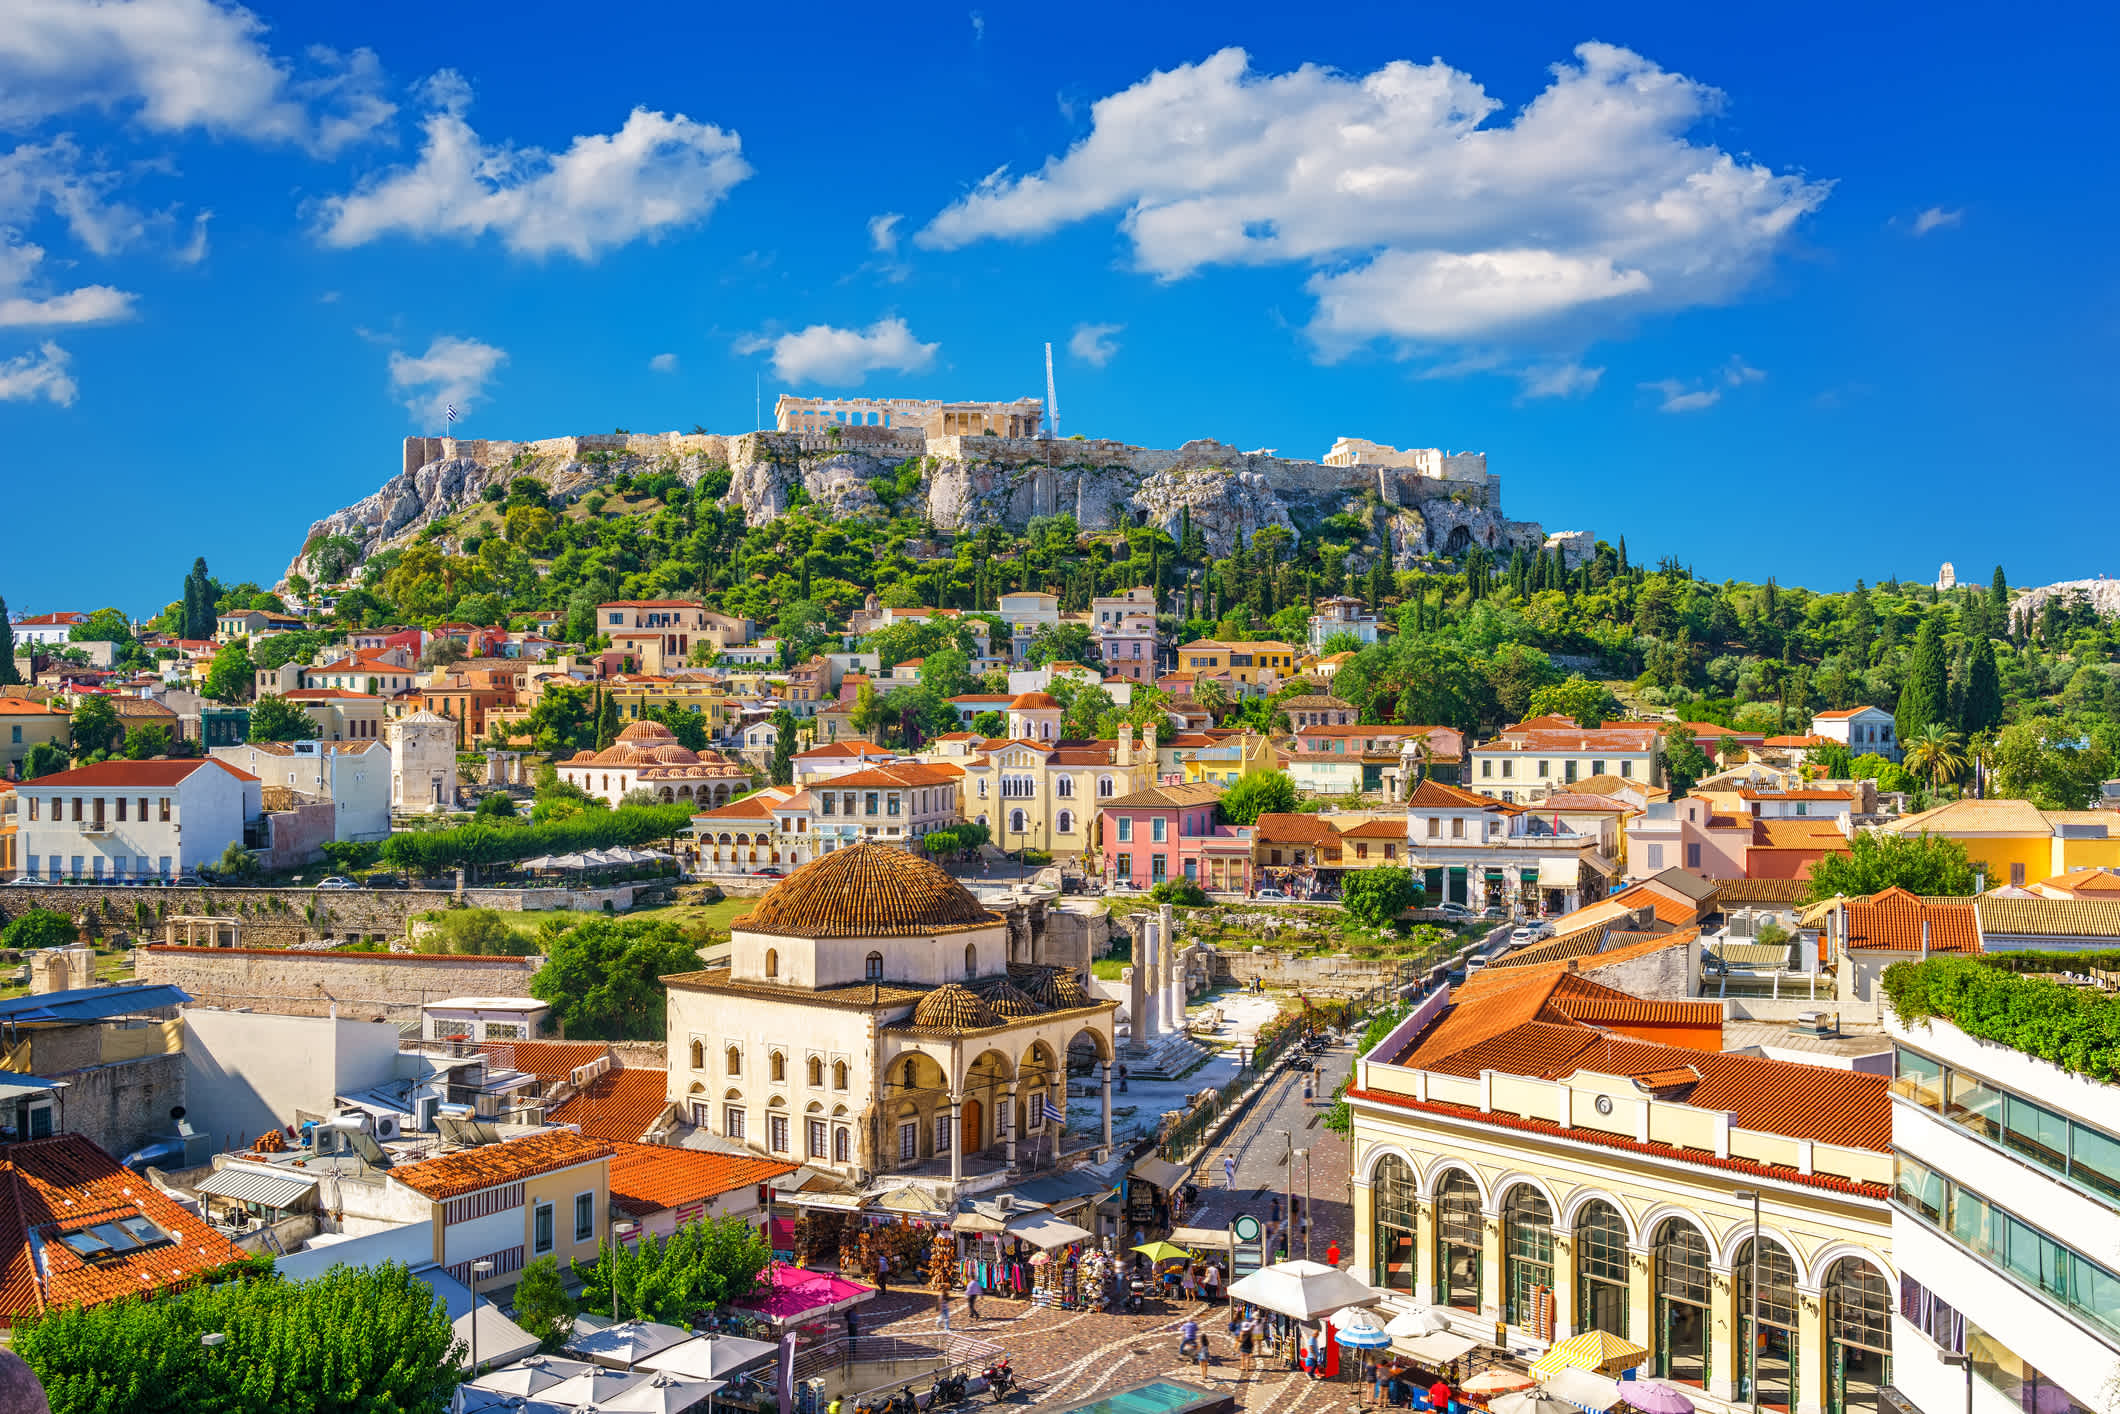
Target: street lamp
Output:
[(1751, 1195), (480, 1268), (1304, 1155), (1291, 1184), (1961, 1358)]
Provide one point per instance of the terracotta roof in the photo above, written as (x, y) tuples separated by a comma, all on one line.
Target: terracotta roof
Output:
[(1808, 793), (1668, 910), (1799, 834), (652, 1178), (1893, 920), (328, 694), (1615, 947), (2049, 917), (619, 1104), (2013, 817), (1580, 943), (887, 777), (549, 1061), (1166, 797), (1844, 713), (1806, 740), (750, 808), (1570, 801), (1442, 797), (64, 1184), (1035, 702), (2097, 883), (1763, 890), (11, 706), (953, 1007), (1316, 700), (1275, 828), (866, 891), (1391, 829), (845, 996), (1608, 784), (130, 775), (511, 1161), (858, 750)]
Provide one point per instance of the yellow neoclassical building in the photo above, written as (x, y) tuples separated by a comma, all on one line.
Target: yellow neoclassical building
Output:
[(1034, 791), (1552, 1156)]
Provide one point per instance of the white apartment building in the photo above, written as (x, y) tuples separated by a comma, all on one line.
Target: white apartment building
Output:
[(1551, 753), (353, 775), (2005, 1228), (894, 805), (132, 819), (1865, 731), (1342, 613)]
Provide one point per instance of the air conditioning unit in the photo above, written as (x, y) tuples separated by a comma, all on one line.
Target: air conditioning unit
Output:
[(386, 1126), (1004, 1202), (1816, 1023), (423, 1111)]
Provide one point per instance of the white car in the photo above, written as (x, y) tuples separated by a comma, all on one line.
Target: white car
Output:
[(1271, 895), (1453, 910), (335, 882), (1530, 932)]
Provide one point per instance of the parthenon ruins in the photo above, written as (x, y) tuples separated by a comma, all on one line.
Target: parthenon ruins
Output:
[(930, 417)]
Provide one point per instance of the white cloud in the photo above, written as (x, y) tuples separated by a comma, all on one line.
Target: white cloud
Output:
[(453, 370), (1678, 397), (20, 308), (1424, 222), (1737, 373), (978, 26), (1935, 219), (1094, 344), (1560, 380), (824, 354), (883, 232), (664, 363), (58, 175), (655, 174), (39, 375), (174, 65)]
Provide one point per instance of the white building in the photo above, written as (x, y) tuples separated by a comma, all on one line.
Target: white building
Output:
[(896, 805), (132, 819), (423, 762), (1341, 614), (1864, 731), (647, 757), (2005, 1227), (353, 775), (1527, 760), (47, 629)]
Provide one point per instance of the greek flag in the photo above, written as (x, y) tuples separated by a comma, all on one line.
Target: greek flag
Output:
[(451, 409), (1053, 1114)]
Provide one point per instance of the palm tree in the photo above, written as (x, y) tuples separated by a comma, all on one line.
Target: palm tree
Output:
[(1935, 753)]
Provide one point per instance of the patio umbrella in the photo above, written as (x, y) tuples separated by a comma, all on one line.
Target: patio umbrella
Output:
[(1160, 1251), (1599, 1351), (567, 861), (1304, 1290), (1421, 1321), (624, 1345), (1654, 1397), (531, 1376), (1503, 1382), (1530, 1402), (709, 1357), (590, 1387), (663, 1393), (1359, 1329)]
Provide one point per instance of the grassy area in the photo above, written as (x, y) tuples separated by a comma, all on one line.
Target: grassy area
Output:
[(1111, 967)]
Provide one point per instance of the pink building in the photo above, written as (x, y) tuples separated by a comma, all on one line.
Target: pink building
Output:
[(1169, 832), (1687, 834)]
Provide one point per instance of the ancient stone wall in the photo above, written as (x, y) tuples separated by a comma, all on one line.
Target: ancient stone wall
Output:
[(1307, 972), (125, 1103), (368, 986)]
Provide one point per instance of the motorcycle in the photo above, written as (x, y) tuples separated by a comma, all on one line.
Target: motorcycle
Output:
[(904, 1402), (1136, 1298), (1302, 1063), (1000, 1379), (948, 1389)]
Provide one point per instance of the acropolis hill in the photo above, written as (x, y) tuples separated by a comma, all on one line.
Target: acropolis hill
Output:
[(983, 464)]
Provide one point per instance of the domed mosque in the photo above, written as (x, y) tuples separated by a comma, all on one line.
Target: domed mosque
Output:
[(647, 756), (878, 1021)]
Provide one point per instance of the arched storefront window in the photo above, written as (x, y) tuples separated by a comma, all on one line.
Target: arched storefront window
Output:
[(1527, 1246), (1457, 1241), (1391, 1188), (1858, 1337), (1601, 1269), (1775, 1348), (1682, 1286)]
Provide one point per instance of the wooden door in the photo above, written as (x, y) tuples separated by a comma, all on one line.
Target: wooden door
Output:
[(971, 1135)]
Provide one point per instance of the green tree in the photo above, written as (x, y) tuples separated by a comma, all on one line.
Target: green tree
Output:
[(103, 626), (607, 727), (1935, 753), (1926, 698), (347, 856), (200, 596), (1684, 761), (236, 863), (1059, 643), (2043, 762), (45, 758), (1374, 897), (233, 677), (602, 977), (95, 726), (1264, 793), (1339, 641), (1586, 703), (1981, 709), (1515, 672), (39, 928), (701, 1266), (991, 724), (783, 762), (542, 1307), (1918, 863), (474, 932), (274, 718), (147, 741), (8, 675), (354, 1340)]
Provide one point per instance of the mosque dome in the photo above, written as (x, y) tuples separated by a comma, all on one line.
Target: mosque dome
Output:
[(866, 891)]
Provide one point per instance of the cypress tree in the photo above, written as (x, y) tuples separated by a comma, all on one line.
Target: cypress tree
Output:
[(1623, 554), (1983, 690), (1925, 699), (8, 676), (1998, 603)]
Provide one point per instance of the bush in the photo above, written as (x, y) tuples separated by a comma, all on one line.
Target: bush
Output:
[(475, 932), (2075, 1028), (1374, 897), (40, 928), (481, 842), (1182, 892)]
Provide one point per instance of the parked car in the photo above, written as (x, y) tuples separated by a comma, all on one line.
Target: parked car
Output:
[(25, 882), (335, 882), (1272, 895), (1453, 910), (189, 881), (1530, 932), (770, 873)]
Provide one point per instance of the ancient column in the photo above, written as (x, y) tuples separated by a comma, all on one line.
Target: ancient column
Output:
[(1149, 1024), (956, 1109), (1137, 1004), (1107, 1151), (1173, 980), (1008, 1122)]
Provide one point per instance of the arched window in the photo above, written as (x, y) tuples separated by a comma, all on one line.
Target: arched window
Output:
[(1457, 1241), (1527, 1249), (735, 1059), (912, 1073), (779, 1068), (1064, 786), (1017, 822), (839, 1075), (1104, 787), (842, 1145), (873, 972), (1391, 1190), (816, 1073), (1858, 1335), (772, 962), (1066, 823), (1601, 1268), (971, 960), (1682, 1287), (699, 1054), (1775, 1349)]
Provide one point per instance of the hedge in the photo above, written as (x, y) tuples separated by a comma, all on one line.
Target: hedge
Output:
[(2076, 1028), (469, 846)]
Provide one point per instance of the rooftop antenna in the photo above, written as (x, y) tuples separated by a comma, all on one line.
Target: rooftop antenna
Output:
[(1052, 398)]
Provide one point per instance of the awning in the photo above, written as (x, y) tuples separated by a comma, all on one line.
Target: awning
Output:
[(1438, 1349), (249, 1185), (1559, 873), (1045, 1232), (1753, 954), (910, 1199), (1199, 1237), (838, 1202), (1601, 864), (1161, 1172), (1583, 1389), (14, 1086)]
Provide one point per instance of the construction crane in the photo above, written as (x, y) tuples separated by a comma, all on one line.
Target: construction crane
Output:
[(1052, 398)]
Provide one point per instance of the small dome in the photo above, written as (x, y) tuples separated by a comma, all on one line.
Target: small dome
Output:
[(1051, 987), (951, 1007), (1035, 702), (866, 891), (1070, 991), (673, 755), (1006, 1001), (584, 757), (648, 733), (617, 755)]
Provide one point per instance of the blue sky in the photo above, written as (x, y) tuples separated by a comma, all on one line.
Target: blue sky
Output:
[(1781, 291)]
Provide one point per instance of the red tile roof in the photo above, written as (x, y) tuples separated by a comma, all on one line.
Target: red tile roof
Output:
[(549, 1061), (888, 777), (1795, 741), (13, 705), (66, 1183), (619, 1104), (328, 694), (1442, 797), (1292, 828), (649, 1178), (145, 775), (1668, 910), (469, 1170), (1893, 920)]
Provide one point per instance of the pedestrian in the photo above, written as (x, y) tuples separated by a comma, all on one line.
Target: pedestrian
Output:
[(973, 1292), (1188, 1338), (1247, 1340), (1122, 1080), (942, 1308), (1229, 1171), (1304, 1223), (883, 1274), (1332, 1254), (1204, 1358), (1211, 1282), (1274, 1214), (1317, 1353), (1307, 1091), (1376, 1384), (1190, 1283), (1439, 1396)]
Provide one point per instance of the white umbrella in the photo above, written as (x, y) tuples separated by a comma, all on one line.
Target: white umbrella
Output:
[(1304, 1290), (665, 1393), (1422, 1320), (543, 861), (709, 1357), (531, 1376), (1358, 1329), (1530, 1402), (624, 1345), (567, 861), (590, 1387)]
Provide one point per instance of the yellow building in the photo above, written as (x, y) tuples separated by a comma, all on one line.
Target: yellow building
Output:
[(1263, 661), (547, 1194), (1217, 758), (633, 695), (1543, 1152), (1033, 792), (2015, 842), (23, 724)]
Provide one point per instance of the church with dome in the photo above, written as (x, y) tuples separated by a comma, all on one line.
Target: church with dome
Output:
[(647, 757), (878, 1022)]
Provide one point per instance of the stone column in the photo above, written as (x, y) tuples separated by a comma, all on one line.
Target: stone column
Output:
[(1563, 1283), (1106, 1152), (1149, 1024), (1722, 1333), (956, 1113), (1494, 1272), (1007, 1119), (1641, 1303), (1137, 1006), (1811, 1372), (1173, 983)]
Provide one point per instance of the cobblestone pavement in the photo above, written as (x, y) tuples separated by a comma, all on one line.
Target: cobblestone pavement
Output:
[(1070, 1356)]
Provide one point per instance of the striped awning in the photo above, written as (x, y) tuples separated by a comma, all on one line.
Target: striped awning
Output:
[(248, 1185)]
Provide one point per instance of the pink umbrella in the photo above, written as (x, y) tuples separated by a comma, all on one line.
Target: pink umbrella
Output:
[(1653, 1397), (793, 1294)]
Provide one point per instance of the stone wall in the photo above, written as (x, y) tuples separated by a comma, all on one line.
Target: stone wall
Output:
[(123, 1104), (1307, 972), (369, 986)]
